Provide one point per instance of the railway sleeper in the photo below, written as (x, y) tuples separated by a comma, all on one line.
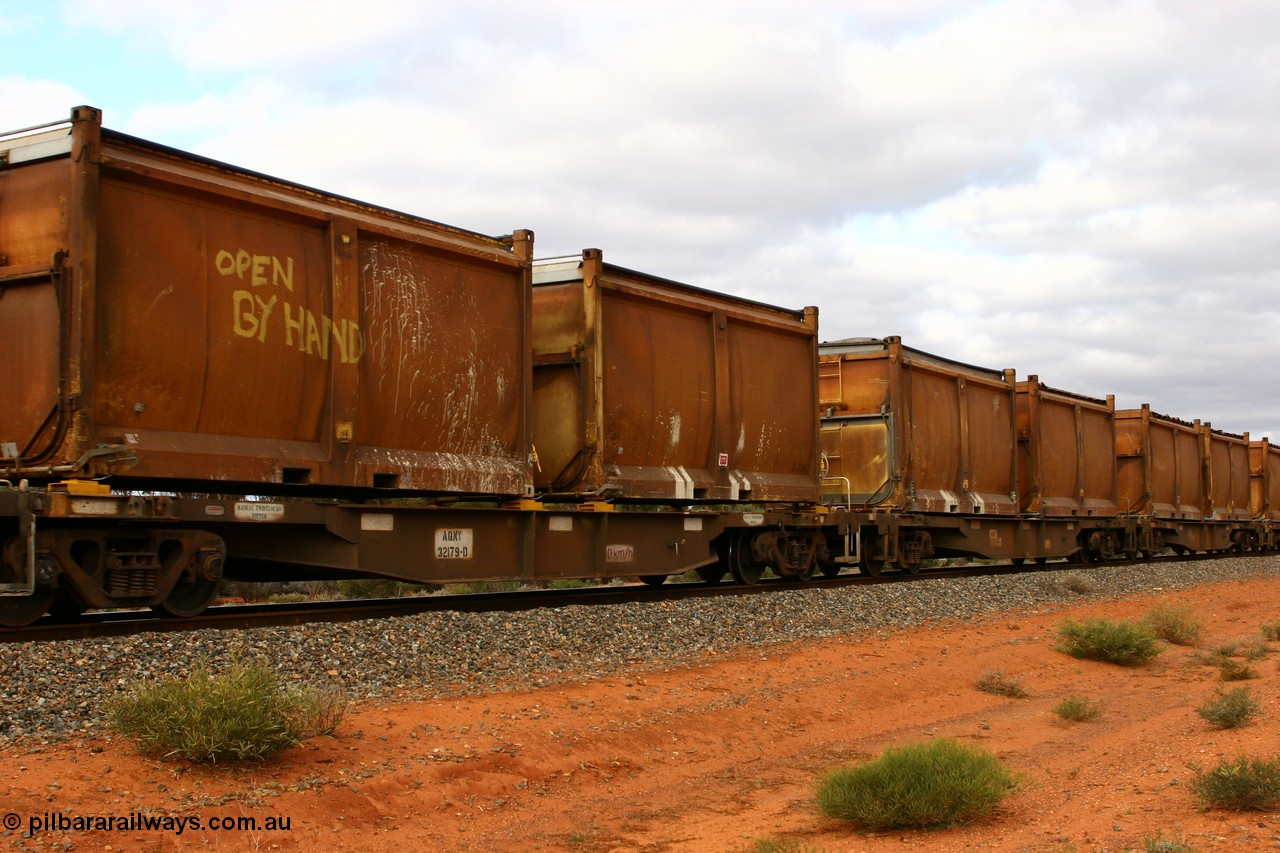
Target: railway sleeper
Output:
[(175, 571)]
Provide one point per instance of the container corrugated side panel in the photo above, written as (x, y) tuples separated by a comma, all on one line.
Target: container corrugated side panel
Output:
[(42, 199), (1159, 465), (444, 381), (963, 440), (772, 397), (1067, 467), (1227, 497), (34, 198), (1264, 480)]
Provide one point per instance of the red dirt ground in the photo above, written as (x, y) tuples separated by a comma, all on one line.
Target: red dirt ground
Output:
[(720, 754)]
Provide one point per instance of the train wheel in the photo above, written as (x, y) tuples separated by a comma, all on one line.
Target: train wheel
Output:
[(908, 565), (188, 598), (745, 570), (867, 563), (19, 610), (713, 573), (749, 574), (870, 566), (653, 580)]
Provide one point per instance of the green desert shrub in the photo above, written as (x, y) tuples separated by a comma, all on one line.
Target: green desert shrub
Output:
[(1246, 649), (1123, 643), (996, 682), (1176, 624), (288, 598), (243, 712), (938, 783), (1230, 669), (1245, 784), (477, 587), (1078, 583), (374, 588), (1159, 844), (1230, 659), (1230, 710), (1271, 632), (782, 845), (1077, 709)]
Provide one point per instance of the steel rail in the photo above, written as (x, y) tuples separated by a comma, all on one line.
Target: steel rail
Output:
[(241, 616)]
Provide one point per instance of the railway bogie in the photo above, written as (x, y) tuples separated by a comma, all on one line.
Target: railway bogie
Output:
[(76, 546), (792, 552)]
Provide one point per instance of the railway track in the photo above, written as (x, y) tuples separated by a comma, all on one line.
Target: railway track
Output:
[(240, 616)]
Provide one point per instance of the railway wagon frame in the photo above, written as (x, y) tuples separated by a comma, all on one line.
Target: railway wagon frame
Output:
[(260, 540)]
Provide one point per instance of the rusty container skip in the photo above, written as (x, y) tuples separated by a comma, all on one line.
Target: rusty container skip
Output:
[(649, 389), (1264, 480), (1227, 470), (1160, 465), (1067, 464), (168, 318), (902, 429)]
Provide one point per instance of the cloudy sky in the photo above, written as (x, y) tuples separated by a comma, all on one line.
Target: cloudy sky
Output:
[(1082, 189)]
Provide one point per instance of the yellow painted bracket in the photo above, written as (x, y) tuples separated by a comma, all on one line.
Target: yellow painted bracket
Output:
[(82, 487)]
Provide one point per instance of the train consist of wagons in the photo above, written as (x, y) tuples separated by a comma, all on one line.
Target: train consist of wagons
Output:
[(214, 373)]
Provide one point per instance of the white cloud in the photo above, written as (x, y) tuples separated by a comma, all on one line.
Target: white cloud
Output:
[(25, 103)]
